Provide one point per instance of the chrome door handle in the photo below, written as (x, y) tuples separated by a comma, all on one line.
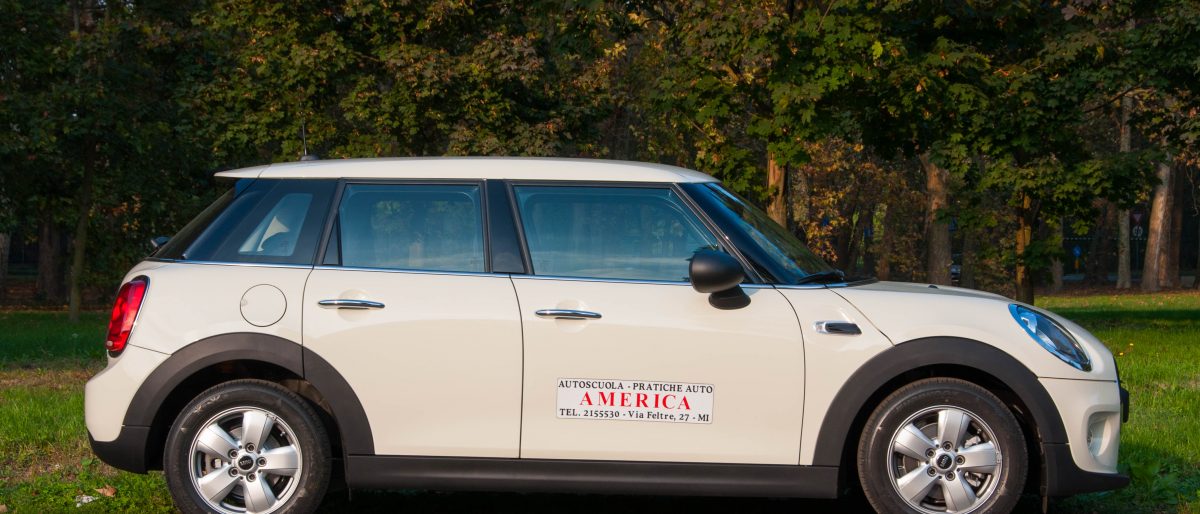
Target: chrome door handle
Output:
[(342, 303), (841, 328), (567, 314)]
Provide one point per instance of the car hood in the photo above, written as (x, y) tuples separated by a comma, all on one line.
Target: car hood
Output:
[(906, 312)]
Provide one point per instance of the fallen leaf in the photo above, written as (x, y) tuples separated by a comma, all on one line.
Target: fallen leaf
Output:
[(107, 490), (3, 508)]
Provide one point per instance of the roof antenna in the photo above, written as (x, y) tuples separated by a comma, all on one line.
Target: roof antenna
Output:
[(304, 142)]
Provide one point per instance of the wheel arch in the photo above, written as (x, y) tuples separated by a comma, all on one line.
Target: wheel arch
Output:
[(213, 360), (952, 357)]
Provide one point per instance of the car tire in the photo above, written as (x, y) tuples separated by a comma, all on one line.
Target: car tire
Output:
[(942, 445), (247, 446)]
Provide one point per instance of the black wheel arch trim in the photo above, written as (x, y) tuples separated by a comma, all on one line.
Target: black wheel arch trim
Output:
[(921, 353), (348, 412)]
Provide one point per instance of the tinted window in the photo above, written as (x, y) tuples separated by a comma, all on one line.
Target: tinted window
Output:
[(264, 221), (610, 232), (416, 227)]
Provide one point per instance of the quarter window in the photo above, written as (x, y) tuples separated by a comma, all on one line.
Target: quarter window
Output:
[(631, 233), (263, 221), (414, 227)]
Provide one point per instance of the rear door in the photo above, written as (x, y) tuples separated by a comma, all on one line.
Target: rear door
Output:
[(406, 308), (624, 360)]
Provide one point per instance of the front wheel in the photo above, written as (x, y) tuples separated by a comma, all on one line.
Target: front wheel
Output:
[(247, 446), (942, 445)]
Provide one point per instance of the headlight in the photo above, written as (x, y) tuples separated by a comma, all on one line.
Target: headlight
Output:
[(1051, 336)]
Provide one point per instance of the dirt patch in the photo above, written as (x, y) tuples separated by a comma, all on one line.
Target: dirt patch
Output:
[(49, 378)]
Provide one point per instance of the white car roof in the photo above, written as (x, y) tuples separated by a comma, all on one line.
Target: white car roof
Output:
[(517, 168)]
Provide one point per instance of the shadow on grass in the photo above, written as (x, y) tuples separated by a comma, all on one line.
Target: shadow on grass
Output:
[(1160, 482)]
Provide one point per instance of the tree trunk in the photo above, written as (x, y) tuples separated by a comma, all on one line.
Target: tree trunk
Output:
[(1024, 239), (5, 245), (969, 262), (1175, 247), (777, 191), (1097, 263), (1056, 266), (79, 248), (937, 231), (1124, 273), (49, 285), (883, 264), (1159, 231)]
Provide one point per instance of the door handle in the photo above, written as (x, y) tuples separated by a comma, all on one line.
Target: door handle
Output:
[(841, 328), (567, 314), (343, 303)]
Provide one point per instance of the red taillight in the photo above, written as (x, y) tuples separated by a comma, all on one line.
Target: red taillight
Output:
[(124, 312)]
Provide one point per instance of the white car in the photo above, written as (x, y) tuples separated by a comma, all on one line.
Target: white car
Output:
[(573, 325)]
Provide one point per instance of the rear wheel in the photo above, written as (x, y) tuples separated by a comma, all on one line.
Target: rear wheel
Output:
[(942, 445), (247, 446)]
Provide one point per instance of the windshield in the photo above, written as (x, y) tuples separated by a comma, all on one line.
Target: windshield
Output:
[(771, 246)]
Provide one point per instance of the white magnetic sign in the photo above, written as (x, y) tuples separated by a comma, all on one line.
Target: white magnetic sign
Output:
[(635, 400)]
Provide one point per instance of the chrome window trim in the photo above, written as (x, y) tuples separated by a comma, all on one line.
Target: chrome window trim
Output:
[(325, 267), (227, 263), (624, 281)]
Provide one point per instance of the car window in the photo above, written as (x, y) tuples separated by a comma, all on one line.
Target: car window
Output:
[(632, 233), (413, 227), (265, 221)]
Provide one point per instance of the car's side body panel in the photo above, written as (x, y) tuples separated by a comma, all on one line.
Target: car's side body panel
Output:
[(752, 357), (186, 302), (830, 358), (438, 368)]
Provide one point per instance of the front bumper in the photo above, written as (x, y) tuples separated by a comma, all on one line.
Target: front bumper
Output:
[(1063, 477)]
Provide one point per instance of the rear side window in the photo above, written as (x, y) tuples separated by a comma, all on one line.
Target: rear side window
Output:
[(633, 233), (264, 221), (410, 227)]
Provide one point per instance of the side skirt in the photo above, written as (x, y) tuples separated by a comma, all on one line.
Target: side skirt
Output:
[(580, 476)]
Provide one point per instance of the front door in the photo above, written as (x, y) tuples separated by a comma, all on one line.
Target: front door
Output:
[(624, 360), (403, 309)]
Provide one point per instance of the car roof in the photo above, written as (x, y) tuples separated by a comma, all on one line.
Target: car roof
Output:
[(516, 168)]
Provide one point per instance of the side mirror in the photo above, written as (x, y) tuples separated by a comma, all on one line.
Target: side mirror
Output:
[(720, 276)]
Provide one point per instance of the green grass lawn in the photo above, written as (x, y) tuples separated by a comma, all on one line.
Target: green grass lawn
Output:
[(46, 465)]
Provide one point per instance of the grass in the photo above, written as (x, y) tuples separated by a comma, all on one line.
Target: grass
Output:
[(48, 467)]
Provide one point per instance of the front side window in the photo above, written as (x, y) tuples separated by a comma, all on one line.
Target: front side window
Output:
[(261, 221), (410, 227), (630, 233), (785, 257)]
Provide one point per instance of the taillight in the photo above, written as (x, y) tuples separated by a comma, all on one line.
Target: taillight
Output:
[(120, 324)]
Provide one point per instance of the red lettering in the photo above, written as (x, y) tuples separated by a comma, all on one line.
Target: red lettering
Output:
[(607, 401), (685, 405), (667, 398), (641, 400), (624, 399), (587, 399)]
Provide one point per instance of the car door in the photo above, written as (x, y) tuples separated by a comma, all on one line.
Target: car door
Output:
[(623, 359), (405, 309)]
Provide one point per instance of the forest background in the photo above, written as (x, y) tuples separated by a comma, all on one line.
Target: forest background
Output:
[(1005, 146)]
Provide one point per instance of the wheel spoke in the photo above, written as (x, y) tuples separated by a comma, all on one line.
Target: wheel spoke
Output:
[(911, 441), (216, 484), (980, 458), (255, 427), (281, 461), (958, 494), (952, 426), (258, 494), (916, 484), (215, 442)]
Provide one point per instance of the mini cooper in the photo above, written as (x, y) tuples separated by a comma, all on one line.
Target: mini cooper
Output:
[(513, 324)]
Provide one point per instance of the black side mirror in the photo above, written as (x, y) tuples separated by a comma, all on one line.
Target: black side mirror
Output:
[(720, 276)]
